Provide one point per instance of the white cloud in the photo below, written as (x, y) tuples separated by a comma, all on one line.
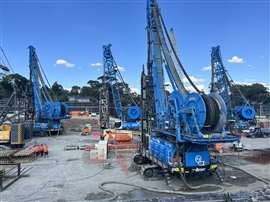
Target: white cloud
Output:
[(97, 64), (135, 90), (236, 60), (121, 69), (65, 63), (199, 82), (206, 68)]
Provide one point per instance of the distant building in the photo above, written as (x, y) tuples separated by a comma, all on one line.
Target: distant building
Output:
[(84, 104), (78, 99)]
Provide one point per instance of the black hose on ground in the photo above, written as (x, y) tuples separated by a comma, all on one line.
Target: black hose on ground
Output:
[(161, 191), (191, 187)]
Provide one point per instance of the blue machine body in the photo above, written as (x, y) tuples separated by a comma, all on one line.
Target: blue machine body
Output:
[(110, 78), (222, 84), (162, 150), (180, 118), (135, 125), (48, 113), (197, 159), (246, 112), (54, 110), (134, 112)]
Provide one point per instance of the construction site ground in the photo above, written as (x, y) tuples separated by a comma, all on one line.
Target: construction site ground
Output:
[(70, 175)]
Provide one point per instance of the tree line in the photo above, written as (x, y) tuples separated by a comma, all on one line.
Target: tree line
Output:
[(255, 93), (58, 92)]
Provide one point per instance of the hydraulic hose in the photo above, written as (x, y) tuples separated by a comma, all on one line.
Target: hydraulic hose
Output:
[(161, 191), (191, 187)]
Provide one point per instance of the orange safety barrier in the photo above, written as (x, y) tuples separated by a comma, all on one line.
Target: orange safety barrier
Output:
[(75, 113), (41, 149), (122, 137), (79, 113), (118, 136)]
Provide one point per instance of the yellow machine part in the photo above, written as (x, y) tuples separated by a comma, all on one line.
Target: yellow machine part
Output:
[(5, 127), (5, 131)]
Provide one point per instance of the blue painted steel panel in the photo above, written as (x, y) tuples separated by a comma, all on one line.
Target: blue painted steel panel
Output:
[(134, 112), (197, 159), (54, 111), (41, 126), (246, 112), (131, 125), (162, 150), (195, 102)]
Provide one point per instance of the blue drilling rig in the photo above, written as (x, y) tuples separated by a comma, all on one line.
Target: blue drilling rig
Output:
[(47, 112), (111, 80), (240, 116), (177, 127)]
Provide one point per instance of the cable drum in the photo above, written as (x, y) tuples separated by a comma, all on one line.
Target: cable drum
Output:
[(54, 110), (220, 112), (195, 102), (246, 112), (212, 113)]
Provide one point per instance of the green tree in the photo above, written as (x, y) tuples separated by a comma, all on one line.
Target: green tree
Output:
[(75, 90), (85, 91), (58, 92), (11, 81), (255, 94), (94, 84)]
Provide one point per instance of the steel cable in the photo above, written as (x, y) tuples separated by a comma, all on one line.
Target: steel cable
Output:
[(176, 56)]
